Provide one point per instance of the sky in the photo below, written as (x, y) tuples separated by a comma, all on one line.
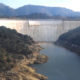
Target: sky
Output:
[(71, 4)]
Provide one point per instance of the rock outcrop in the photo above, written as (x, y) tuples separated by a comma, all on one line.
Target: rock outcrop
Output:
[(17, 52)]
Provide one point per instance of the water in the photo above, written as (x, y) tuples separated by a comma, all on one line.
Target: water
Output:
[(62, 64)]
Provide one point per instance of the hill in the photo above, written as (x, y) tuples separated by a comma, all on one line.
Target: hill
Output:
[(30, 10), (51, 11), (17, 52), (6, 11), (70, 40)]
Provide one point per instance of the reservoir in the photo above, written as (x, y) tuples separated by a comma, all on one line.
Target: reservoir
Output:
[(62, 63)]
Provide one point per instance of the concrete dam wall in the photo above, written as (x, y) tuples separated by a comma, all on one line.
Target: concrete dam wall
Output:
[(40, 30)]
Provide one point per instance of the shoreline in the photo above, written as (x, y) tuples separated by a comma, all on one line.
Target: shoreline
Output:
[(70, 47)]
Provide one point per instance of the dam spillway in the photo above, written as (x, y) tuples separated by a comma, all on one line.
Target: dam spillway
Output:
[(40, 30)]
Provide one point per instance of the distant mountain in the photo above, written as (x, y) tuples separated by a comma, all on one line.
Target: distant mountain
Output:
[(35, 16), (51, 11), (6, 11), (32, 10)]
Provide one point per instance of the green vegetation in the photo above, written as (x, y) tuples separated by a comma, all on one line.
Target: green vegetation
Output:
[(6, 60), (14, 42), (11, 44), (17, 51)]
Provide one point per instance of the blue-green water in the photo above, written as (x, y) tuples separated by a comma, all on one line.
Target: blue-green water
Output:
[(62, 64)]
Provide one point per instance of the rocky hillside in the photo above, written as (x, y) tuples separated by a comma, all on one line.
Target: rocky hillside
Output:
[(17, 52), (70, 40)]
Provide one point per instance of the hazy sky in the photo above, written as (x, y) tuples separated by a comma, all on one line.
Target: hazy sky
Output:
[(71, 4)]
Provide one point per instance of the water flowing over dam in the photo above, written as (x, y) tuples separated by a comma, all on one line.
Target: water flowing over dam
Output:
[(40, 30)]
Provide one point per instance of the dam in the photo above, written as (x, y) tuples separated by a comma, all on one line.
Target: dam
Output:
[(40, 30), (62, 64)]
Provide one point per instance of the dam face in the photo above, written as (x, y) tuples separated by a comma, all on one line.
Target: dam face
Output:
[(40, 30)]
